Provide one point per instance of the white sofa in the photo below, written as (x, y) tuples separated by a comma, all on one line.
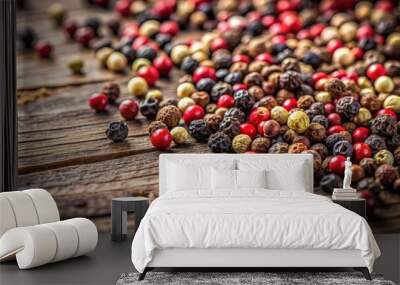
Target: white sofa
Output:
[(31, 231)]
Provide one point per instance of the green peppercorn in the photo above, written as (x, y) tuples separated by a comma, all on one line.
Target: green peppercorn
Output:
[(116, 61), (76, 65), (180, 135), (138, 87), (139, 63), (185, 89), (384, 84)]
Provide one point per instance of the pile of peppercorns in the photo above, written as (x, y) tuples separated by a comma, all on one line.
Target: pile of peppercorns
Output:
[(286, 78), (267, 77)]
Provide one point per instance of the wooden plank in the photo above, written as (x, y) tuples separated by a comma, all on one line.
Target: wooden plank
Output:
[(86, 190)]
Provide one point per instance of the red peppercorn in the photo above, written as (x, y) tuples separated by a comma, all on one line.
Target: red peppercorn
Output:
[(267, 21), (129, 109), (163, 9), (130, 30), (163, 64), (318, 76), (334, 119), (226, 101), (291, 21), (278, 29), (84, 36), (376, 70), (352, 75), (241, 58), (70, 26), (360, 134), (266, 57), (218, 43), (338, 74), (361, 150), (169, 27), (316, 30), (139, 42), (358, 52), (333, 45), (194, 112), (329, 108), (149, 73), (260, 128), (335, 129), (336, 164), (289, 104), (98, 102), (258, 115), (387, 111), (248, 129), (365, 31), (123, 7), (161, 139), (204, 72), (239, 86), (44, 49)]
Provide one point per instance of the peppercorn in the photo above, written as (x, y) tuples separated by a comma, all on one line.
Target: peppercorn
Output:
[(94, 24), (260, 145), (321, 119), (189, 65), (84, 36), (170, 115), (316, 132), (253, 78), (201, 98), (129, 53), (139, 63), (213, 121), (230, 126), (347, 107), (185, 103), (116, 61), (241, 143), (329, 182), (146, 52), (117, 131), (271, 128), (27, 37), (376, 143), (76, 65), (297, 148), (236, 114), (149, 108), (138, 87), (103, 54), (44, 49), (371, 102), (178, 53), (222, 59), (149, 28), (220, 89), (220, 142), (343, 148), (301, 139), (199, 130), (290, 80), (112, 91), (180, 135), (363, 116), (57, 13), (384, 125), (185, 89), (156, 125), (114, 26), (392, 102), (298, 121), (233, 77), (155, 94), (321, 149), (343, 56), (335, 87), (384, 84), (243, 100), (384, 157), (279, 147), (205, 84), (332, 139), (386, 174)]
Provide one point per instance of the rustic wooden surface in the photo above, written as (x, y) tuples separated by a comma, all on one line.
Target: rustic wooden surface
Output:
[(62, 146)]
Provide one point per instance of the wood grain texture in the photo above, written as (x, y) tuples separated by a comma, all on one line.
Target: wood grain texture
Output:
[(62, 143)]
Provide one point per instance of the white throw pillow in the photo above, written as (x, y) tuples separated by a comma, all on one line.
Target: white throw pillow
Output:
[(251, 178), (186, 175), (223, 179), (282, 174)]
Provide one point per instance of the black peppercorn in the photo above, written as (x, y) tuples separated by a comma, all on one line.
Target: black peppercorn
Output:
[(220, 142), (117, 131), (129, 53), (321, 149), (332, 139), (312, 59), (233, 77), (343, 148), (221, 73), (149, 108), (199, 130), (102, 43), (236, 114), (279, 147), (189, 65), (93, 23), (322, 120), (230, 126), (146, 52), (376, 143), (347, 107), (243, 100), (290, 80), (205, 84), (114, 26), (219, 89), (27, 37), (255, 28), (329, 182), (163, 39), (384, 125), (112, 91), (222, 59), (367, 44), (369, 165)]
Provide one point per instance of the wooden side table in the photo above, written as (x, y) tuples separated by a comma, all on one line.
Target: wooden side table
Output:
[(358, 205), (120, 207)]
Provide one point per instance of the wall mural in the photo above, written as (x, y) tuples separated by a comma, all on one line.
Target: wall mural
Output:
[(101, 95)]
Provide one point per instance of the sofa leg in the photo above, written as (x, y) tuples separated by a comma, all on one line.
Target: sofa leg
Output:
[(142, 275), (364, 271)]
